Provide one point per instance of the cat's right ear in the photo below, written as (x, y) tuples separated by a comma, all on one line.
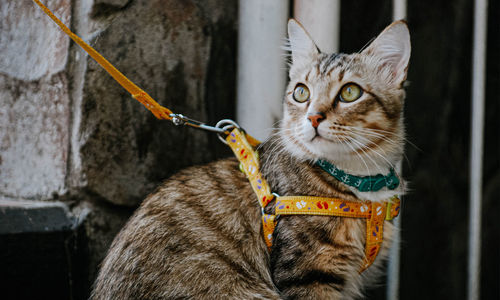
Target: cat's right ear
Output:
[(392, 49), (301, 45)]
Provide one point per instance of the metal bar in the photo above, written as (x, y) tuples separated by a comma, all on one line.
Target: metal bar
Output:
[(393, 269), (398, 9), (261, 64), (321, 18), (476, 147)]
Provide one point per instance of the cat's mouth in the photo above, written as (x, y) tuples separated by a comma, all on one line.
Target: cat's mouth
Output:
[(320, 138), (317, 136)]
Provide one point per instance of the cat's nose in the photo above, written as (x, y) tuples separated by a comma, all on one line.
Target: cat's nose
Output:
[(316, 118)]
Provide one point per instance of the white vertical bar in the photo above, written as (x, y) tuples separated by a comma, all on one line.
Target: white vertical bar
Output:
[(261, 64), (392, 291), (321, 18), (476, 146), (398, 9)]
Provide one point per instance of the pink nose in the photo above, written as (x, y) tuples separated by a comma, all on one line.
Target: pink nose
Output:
[(315, 119)]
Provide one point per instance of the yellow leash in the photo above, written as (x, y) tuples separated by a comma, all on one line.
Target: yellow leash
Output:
[(159, 111), (242, 145)]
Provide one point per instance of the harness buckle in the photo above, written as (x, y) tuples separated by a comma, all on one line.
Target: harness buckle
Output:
[(388, 211)]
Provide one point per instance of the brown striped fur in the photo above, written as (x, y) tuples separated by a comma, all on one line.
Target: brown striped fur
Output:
[(199, 236)]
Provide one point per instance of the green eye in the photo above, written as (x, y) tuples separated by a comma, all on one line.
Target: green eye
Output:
[(350, 92), (301, 93)]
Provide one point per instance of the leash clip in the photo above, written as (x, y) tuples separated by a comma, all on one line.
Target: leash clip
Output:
[(224, 126), (180, 119)]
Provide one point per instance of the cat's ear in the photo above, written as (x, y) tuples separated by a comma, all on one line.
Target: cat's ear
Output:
[(301, 45), (392, 49)]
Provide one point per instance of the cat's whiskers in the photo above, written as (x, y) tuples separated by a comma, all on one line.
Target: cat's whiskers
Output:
[(297, 139), (388, 140), (367, 132), (275, 148), (359, 155), (390, 164), (345, 140), (361, 147), (277, 145), (275, 136), (364, 132), (367, 142), (384, 133)]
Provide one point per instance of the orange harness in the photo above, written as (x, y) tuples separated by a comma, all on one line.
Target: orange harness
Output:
[(375, 213)]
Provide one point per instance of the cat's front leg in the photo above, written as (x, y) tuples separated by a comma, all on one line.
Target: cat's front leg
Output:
[(318, 257)]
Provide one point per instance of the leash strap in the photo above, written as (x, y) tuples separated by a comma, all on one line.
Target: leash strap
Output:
[(137, 93), (375, 213), (159, 111)]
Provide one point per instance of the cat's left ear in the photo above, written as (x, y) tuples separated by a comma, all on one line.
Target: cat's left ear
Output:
[(392, 48), (301, 44)]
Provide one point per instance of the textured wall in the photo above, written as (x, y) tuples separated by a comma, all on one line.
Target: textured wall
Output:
[(34, 106), (165, 47), (69, 132)]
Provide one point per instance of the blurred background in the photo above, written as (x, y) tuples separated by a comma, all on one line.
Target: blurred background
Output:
[(78, 154)]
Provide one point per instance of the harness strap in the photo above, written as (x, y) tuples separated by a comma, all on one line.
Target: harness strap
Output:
[(307, 205), (375, 213), (374, 234), (250, 165)]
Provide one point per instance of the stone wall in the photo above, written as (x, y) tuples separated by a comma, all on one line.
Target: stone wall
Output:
[(69, 133), (35, 106)]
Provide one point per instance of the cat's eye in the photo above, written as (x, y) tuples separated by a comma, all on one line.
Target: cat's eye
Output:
[(301, 93), (350, 92)]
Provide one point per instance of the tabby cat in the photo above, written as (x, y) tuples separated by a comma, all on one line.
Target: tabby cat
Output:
[(199, 236)]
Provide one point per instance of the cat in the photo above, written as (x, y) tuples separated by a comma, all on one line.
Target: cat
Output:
[(199, 235)]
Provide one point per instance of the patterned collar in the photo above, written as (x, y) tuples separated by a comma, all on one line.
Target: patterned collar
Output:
[(362, 183)]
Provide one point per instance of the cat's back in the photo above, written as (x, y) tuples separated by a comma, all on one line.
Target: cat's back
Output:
[(197, 235)]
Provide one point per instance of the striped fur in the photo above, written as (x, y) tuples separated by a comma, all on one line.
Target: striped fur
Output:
[(199, 236)]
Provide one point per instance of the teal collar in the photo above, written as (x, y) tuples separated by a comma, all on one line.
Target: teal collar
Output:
[(363, 184)]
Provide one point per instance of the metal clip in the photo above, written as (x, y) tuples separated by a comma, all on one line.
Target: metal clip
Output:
[(224, 126), (179, 119)]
